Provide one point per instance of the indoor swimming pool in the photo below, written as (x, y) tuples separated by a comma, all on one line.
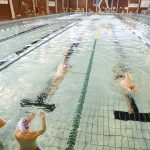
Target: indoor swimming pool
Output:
[(89, 95)]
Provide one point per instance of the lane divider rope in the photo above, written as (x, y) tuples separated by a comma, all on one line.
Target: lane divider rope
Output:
[(76, 120), (16, 59)]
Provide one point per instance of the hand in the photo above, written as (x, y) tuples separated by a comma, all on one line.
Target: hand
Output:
[(42, 115)]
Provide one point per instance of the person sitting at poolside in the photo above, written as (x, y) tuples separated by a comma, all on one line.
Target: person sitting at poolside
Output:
[(2, 123), (26, 138)]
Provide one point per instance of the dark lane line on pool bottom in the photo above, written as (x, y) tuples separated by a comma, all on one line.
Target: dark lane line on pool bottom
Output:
[(133, 111), (19, 54), (49, 91)]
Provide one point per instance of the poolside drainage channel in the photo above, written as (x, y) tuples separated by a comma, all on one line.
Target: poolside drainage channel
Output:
[(76, 121), (14, 55)]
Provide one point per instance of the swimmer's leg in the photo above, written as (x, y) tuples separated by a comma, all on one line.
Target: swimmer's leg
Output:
[(132, 107), (133, 104)]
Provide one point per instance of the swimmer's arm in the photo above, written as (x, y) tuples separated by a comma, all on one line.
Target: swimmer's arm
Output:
[(43, 125), (63, 60)]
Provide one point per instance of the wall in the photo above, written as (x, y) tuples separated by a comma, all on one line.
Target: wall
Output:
[(5, 12), (59, 3), (17, 7), (52, 9), (40, 3), (133, 9), (73, 4), (82, 4), (42, 6), (121, 5)]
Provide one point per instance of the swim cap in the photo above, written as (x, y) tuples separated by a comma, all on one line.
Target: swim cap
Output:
[(65, 66), (22, 125)]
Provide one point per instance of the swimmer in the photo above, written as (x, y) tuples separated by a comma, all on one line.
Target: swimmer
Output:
[(129, 89), (126, 83), (2, 123), (62, 70), (125, 80), (63, 67), (26, 138)]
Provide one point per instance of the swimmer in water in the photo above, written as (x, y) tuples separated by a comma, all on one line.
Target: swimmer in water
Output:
[(62, 70), (26, 138), (2, 123), (125, 79), (128, 89), (126, 83)]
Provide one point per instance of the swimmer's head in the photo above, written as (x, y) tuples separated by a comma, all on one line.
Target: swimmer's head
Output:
[(23, 125), (66, 54), (65, 66)]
